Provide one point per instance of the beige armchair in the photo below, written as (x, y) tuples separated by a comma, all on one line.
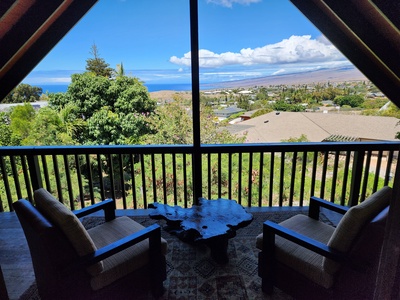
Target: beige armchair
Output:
[(104, 262), (310, 259)]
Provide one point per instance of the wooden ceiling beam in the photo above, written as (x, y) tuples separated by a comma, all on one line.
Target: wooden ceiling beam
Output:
[(31, 35)]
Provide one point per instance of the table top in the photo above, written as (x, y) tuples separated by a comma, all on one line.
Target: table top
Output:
[(209, 219)]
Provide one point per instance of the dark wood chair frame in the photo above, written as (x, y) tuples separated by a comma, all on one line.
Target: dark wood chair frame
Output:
[(62, 273), (268, 269)]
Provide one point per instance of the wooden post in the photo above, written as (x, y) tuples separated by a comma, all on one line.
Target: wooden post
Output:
[(34, 171), (387, 286), (356, 176)]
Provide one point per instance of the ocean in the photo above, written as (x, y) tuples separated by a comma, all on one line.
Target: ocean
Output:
[(152, 87)]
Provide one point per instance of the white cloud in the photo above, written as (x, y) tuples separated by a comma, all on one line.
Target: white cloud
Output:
[(229, 3), (296, 49), (47, 80), (280, 71)]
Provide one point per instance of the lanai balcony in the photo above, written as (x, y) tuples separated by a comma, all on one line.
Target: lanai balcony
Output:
[(258, 176), (263, 177)]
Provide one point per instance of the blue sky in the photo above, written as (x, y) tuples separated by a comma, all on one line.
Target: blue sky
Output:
[(238, 39)]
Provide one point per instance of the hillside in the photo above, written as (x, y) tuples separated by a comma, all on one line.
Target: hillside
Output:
[(320, 76)]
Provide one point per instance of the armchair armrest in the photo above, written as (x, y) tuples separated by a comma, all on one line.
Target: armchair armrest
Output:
[(271, 228), (316, 203), (153, 233), (107, 205)]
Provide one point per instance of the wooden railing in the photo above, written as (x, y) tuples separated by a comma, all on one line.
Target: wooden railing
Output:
[(278, 174)]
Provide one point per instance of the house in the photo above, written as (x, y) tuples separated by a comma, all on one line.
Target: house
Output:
[(316, 126), (36, 105), (225, 113)]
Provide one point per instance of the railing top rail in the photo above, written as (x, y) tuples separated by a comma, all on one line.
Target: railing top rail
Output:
[(303, 147), (215, 148), (95, 149)]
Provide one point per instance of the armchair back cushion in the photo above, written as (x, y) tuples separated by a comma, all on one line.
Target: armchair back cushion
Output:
[(69, 224), (353, 222)]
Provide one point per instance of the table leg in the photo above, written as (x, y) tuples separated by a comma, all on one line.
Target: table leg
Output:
[(219, 249)]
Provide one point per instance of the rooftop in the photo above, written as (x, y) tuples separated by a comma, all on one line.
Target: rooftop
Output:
[(273, 127)]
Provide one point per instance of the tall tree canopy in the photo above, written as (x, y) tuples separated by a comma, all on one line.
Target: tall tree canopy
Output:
[(23, 93), (98, 65), (21, 118), (115, 111)]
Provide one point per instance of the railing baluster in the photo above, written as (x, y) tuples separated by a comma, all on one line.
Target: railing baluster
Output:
[(388, 168), (230, 176), (35, 173), (334, 176), (293, 178), (260, 180), (15, 175), (303, 178), (144, 188), (134, 198), (240, 179), (250, 179), (6, 183), (164, 176), (377, 172), (122, 180), (209, 167), (323, 177), (356, 177), (185, 195), (314, 173), (219, 175), (271, 179), (46, 173), (345, 178), (111, 176), (282, 178), (58, 180), (90, 177), (69, 185), (153, 175), (34, 178), (366, 176), (174, 178), (101, 179), (79, 178)]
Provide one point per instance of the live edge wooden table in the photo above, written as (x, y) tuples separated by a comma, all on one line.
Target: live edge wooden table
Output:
[(212, 222)]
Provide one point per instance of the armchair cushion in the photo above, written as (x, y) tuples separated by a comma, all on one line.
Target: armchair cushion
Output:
[(126, 261), (299, 258), (353, 221), (69, 224)]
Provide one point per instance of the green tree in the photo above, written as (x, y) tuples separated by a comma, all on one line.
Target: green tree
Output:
[(46, 129), (98, 65), (109, 111), (172, 124), (21, 118), (120, 71), (351, 100), (23, 93), (243, 102)]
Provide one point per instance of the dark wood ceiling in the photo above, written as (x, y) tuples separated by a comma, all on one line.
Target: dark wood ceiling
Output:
[(29, 29)]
